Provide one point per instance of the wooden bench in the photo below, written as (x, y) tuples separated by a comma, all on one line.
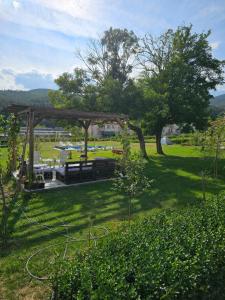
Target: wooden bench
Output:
[(117, 151), (81, 171)]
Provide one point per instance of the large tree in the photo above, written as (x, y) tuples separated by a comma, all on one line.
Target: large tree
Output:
[(75, 91), (112, 56), (179, 73), (110, 61)]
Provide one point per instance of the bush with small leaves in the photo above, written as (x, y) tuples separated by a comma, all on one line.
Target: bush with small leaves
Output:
[(176, 254)]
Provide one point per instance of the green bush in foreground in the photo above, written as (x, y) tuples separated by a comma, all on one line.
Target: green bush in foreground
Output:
[(173, 255)]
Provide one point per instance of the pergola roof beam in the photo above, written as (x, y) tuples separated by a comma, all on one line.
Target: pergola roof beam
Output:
[(66, 114)]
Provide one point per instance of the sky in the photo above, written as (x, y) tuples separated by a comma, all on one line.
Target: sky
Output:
[(39, 38)]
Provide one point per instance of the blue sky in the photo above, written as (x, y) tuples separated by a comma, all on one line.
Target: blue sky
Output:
[(38, 38)]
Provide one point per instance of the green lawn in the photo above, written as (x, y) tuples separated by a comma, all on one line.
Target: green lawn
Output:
[(177, 183)]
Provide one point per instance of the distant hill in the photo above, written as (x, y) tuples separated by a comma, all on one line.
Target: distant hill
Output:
[(217, 105), (38, 97), (218, 101)]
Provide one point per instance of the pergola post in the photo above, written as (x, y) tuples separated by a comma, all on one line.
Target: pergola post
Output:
[(86, 125), (31, 147), (14, 149), (23, 153)]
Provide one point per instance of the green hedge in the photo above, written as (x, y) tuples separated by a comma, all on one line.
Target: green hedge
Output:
[(182, 139), (173, 255)]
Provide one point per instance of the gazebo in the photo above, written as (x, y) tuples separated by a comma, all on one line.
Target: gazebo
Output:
[(35, 114)]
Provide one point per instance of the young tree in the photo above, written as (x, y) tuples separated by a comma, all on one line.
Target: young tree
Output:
[(213, 142), (130, 178), (180, 69)]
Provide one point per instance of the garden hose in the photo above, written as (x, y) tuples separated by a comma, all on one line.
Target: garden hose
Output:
[(69, 240)]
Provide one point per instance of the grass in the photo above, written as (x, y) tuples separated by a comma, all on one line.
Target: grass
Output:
[(177, 183)]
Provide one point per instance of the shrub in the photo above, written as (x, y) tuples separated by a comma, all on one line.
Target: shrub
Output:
[(181, 139), (172, 255)]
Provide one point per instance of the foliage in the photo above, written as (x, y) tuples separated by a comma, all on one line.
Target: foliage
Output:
[(130, 178), (179, 73), (110, 61), (75, 91), (213, 142), (196, 138), (187, 139), (3, 124), (10, 127), (173, 255), (12, 130), (112, 56)]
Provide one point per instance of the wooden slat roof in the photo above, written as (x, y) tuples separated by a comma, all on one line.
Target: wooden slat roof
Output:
[(65, 114)]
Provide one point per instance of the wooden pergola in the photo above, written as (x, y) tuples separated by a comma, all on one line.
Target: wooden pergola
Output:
[(36, 114)]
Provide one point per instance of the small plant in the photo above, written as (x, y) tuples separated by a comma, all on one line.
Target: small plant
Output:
[(130, 175), (13, 129), (213, 143)]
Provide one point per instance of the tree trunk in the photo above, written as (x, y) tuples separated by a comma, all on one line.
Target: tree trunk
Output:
[(86, 142), (158, 141), (141, 138)]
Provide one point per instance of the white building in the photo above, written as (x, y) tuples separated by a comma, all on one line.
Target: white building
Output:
[(104, 130), (46, 132), (172, 129)]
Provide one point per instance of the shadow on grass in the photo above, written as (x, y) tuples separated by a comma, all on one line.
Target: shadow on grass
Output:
[(177, 183)]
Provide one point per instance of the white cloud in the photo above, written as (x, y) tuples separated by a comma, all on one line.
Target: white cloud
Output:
[(16, 4), (23, 57), (82, 9), (12, 80), (8, 81), (83, 17), (220, 88), (37, 36), (214, 45)]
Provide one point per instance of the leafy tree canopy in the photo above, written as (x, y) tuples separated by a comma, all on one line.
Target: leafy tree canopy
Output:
[(179, 73)]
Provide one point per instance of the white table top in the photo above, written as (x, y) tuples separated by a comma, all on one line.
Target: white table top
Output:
[(37, 166)]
